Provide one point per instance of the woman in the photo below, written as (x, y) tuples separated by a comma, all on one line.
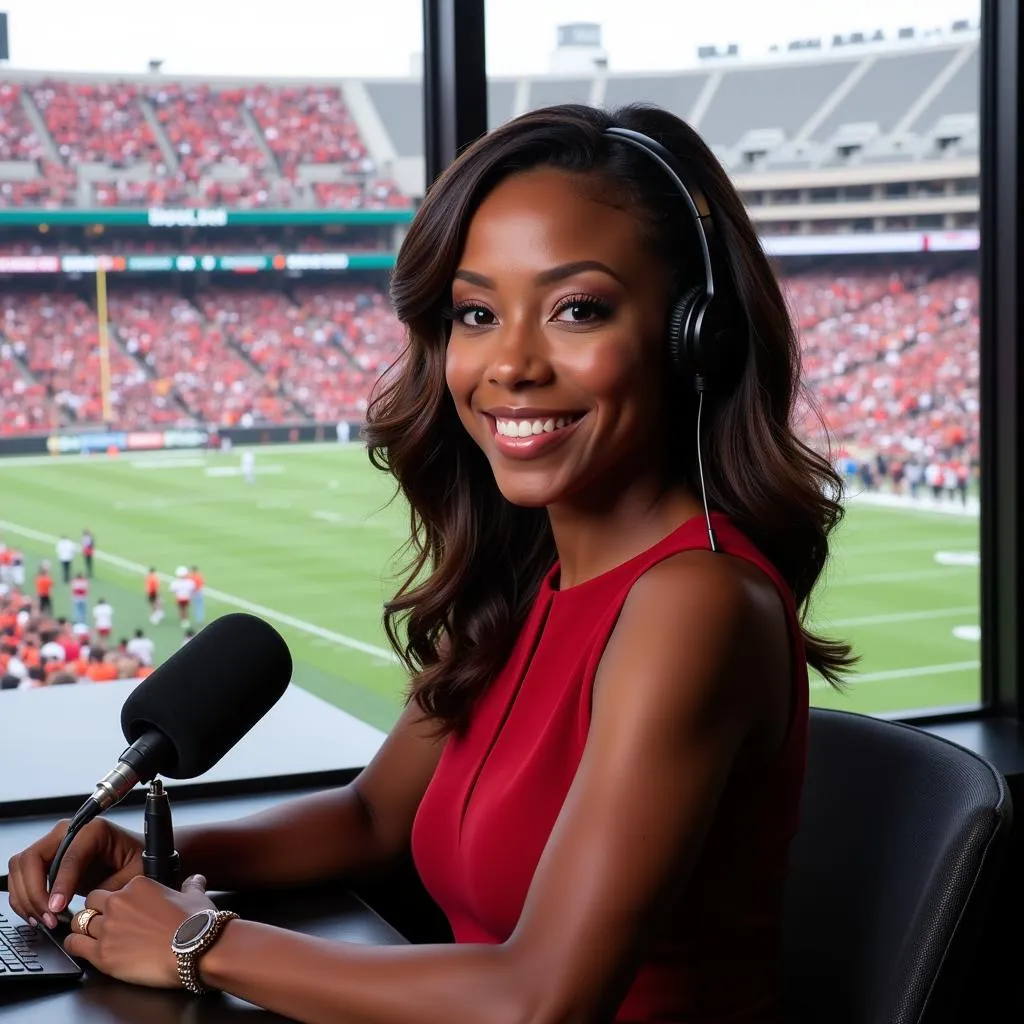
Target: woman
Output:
[(600, 764)]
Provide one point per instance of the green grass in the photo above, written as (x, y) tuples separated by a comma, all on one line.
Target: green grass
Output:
[(312, 541)]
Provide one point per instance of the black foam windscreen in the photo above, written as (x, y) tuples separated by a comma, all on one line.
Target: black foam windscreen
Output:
[(210, 692)]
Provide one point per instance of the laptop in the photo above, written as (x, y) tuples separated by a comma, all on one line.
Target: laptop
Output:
[(29, 954)]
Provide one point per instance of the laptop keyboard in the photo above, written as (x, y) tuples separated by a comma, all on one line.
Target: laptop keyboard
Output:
[(18, 944)]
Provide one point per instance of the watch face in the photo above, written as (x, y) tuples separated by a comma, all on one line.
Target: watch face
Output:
[(193, 928)]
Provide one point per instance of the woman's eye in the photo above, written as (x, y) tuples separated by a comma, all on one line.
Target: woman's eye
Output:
[(580, 312), (477, 317)]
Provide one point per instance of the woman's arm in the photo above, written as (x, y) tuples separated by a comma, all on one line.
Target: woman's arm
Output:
[(697, 663), (322, 836)]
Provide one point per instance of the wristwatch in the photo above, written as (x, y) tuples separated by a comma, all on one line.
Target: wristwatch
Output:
[(195, 935)]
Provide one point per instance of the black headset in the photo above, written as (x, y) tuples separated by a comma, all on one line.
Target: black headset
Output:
[(707, 341)]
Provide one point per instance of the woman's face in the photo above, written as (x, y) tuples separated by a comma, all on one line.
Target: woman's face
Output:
[(556, 355)]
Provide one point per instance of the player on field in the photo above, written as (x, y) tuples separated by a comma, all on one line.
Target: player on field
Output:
[(198, 597), (44, 589), (79, 596), (103, 616), (156, 610), (88, 550), (183, 587)]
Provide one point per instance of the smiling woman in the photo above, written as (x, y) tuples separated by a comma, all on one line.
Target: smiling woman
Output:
[(537, 285), (614, 534), (570, 319), (575, 344)]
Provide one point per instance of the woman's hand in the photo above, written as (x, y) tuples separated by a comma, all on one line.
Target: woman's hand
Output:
[(102, 856), (129, 936)]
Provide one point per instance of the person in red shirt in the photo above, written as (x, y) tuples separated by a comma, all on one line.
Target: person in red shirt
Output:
[(599, 769), (72, 648), (88, 550), (44, 590), (99, 670), (156, 611)]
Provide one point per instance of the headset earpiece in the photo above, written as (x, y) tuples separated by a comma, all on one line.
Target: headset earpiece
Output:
[(706, 348), (682, 332)]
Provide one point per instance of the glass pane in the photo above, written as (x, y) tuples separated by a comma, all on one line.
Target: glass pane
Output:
[(853, 141), (199, 207)]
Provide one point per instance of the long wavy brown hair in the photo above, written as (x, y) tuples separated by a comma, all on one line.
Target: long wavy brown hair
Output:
[(476, 560)]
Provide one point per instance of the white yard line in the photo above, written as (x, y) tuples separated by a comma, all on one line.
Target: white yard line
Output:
[(220, 595), (895, 577), (197, 455), (881, 620), (902, 673), (841, 550)]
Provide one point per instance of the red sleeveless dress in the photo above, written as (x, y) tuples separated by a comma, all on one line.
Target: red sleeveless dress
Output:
[(492, 803)]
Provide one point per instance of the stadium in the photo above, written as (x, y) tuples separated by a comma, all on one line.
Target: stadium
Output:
[(192, 267)]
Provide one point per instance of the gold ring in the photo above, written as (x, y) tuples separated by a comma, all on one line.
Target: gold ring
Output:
[(82, 919)]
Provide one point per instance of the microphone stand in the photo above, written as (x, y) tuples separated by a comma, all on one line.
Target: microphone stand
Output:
[(159, 858)]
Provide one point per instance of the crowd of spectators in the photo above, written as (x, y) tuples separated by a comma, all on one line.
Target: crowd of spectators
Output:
[(194, 144), (189, 359), (18, 139), (890, 359), (57, 338), (892, 362), (39, 649)]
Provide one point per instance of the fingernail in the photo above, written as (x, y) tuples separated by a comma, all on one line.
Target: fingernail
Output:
[(32, 921), (57, 902), (49, 920)]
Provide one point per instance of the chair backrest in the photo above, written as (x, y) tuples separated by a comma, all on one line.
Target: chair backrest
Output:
[(899, 842)]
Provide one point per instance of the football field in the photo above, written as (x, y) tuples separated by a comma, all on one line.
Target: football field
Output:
[(310, 546)]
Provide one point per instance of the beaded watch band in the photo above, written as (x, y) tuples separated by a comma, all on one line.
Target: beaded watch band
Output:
[(192, 939)]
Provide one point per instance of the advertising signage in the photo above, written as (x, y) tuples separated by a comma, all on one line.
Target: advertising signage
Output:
[(159, 217), (120, 441), (189, 263)]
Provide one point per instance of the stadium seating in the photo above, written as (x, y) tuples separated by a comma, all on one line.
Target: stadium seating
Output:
[(157, 141), (18, 139), (116, 143), (890, 357), (97, 122), (191, 363), (58, 336), (23, 406), (893, 363)]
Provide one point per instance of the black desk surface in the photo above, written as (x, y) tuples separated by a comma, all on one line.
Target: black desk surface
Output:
[(329, 911), (17, 833), (59, 741)]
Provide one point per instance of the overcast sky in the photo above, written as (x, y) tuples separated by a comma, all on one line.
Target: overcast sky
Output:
[(379, 37)]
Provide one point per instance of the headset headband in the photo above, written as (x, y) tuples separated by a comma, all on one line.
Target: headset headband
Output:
[(696, 202)]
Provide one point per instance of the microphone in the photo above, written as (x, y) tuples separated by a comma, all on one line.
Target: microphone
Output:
[(185, 716)]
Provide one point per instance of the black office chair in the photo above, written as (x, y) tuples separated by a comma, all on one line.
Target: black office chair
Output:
[(899, 846)]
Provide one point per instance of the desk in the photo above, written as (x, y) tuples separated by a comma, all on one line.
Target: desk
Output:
[(60, 740), (329, 912), (17, 833)]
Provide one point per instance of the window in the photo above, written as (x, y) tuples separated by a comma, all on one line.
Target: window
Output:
[(248, 180), (890, 336)]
